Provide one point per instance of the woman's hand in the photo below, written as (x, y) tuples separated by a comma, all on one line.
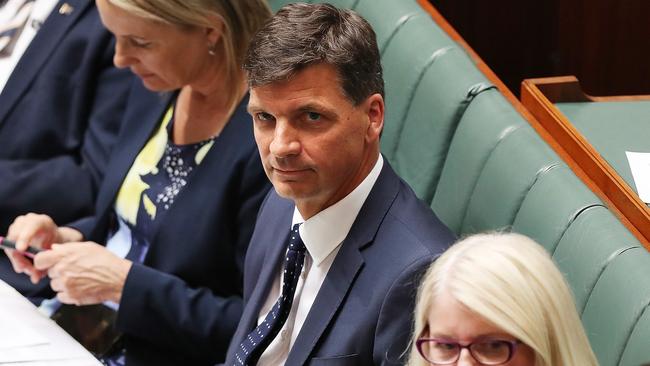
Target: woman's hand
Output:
[(84, 273), (38, 231)]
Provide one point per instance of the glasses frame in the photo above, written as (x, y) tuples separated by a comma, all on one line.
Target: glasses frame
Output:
[(512, 348)]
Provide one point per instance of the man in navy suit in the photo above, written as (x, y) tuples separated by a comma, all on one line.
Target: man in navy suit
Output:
[(59, 114), (317, 103)]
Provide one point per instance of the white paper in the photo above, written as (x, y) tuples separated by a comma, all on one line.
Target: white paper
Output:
[(15, 334), (640, 167), (50, 346), (66, 362)]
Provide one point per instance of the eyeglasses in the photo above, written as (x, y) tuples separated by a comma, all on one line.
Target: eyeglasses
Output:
[(486, 351)]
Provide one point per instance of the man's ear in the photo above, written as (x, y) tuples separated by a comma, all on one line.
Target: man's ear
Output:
[(375, 111)]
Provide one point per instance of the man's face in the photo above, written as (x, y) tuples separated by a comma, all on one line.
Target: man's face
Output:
[(315, 144)]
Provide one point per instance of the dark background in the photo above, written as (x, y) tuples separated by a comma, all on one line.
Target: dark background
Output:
[(605, 43)]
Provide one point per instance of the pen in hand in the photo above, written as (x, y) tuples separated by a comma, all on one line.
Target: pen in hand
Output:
[(8, 244)]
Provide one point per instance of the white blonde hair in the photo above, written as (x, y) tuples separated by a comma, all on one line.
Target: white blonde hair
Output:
[(241, 19), (512, 282)]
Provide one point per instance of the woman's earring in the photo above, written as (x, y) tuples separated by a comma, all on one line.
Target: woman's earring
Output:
[(212, 50)]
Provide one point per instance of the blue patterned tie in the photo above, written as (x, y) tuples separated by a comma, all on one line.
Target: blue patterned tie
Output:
[(253, 346)]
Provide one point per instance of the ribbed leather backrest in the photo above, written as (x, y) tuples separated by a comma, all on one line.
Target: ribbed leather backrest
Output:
[(487, 121), (510, 171), (590, 243), (616, 304), (387, 16), (552, 204), (405, 59), (446, 88), (636, 349)]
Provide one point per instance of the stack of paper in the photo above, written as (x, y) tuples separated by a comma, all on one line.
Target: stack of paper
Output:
[(28, 338)]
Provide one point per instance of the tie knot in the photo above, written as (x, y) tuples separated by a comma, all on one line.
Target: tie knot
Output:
[(295, 241)]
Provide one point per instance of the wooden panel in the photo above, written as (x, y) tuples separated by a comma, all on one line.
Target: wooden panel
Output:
[(601, 177), (603, 42)]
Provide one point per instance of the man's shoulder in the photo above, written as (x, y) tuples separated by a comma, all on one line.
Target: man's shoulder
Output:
[(413, 221)]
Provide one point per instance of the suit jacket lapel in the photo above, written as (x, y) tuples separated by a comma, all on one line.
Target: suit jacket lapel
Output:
[(215, 160), (278, 227), (142, 118), (43, 44), (346, 266)]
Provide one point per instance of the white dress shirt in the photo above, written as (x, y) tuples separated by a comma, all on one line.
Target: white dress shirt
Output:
[(40, 11), (322, 235)]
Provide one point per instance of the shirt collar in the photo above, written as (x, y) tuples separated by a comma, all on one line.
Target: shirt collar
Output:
[(326, 230)]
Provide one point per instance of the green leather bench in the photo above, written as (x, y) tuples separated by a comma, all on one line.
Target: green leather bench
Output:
[(469, 153)]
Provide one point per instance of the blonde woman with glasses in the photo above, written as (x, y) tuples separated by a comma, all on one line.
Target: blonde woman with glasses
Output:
[(497, 299)]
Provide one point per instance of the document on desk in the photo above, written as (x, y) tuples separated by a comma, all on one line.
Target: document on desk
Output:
[(16, 335), (29, 338), (640, 167), (21, 343)]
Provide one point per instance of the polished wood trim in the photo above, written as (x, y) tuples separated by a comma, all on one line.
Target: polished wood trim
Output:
[(591, 180), (558, 89), (603, 179)]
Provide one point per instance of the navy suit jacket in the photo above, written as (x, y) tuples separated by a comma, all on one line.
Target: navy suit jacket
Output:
[(60, 113), (183, 304), (362, 314)]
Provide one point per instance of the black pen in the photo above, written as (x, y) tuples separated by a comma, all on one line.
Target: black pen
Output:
[(8, 244)]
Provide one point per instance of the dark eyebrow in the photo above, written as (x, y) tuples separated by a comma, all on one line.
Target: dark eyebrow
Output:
[(312, 107), (318, 108)]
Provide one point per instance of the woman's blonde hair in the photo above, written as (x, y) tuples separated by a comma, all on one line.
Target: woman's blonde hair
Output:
[(241, 20), (510, 281)]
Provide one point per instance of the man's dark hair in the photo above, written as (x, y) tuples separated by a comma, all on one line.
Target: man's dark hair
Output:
[(300, 35)]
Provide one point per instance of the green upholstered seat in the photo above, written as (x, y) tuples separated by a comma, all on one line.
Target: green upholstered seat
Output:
[(636, 350), (447, 86), (554, 201), (404, 60), (616, 303), (587, 246), (486, 121), (387, 16), (521, 158)]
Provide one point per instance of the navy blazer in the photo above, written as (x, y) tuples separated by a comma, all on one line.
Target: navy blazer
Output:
[(59, 116), (362, 314), (183, 304)]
